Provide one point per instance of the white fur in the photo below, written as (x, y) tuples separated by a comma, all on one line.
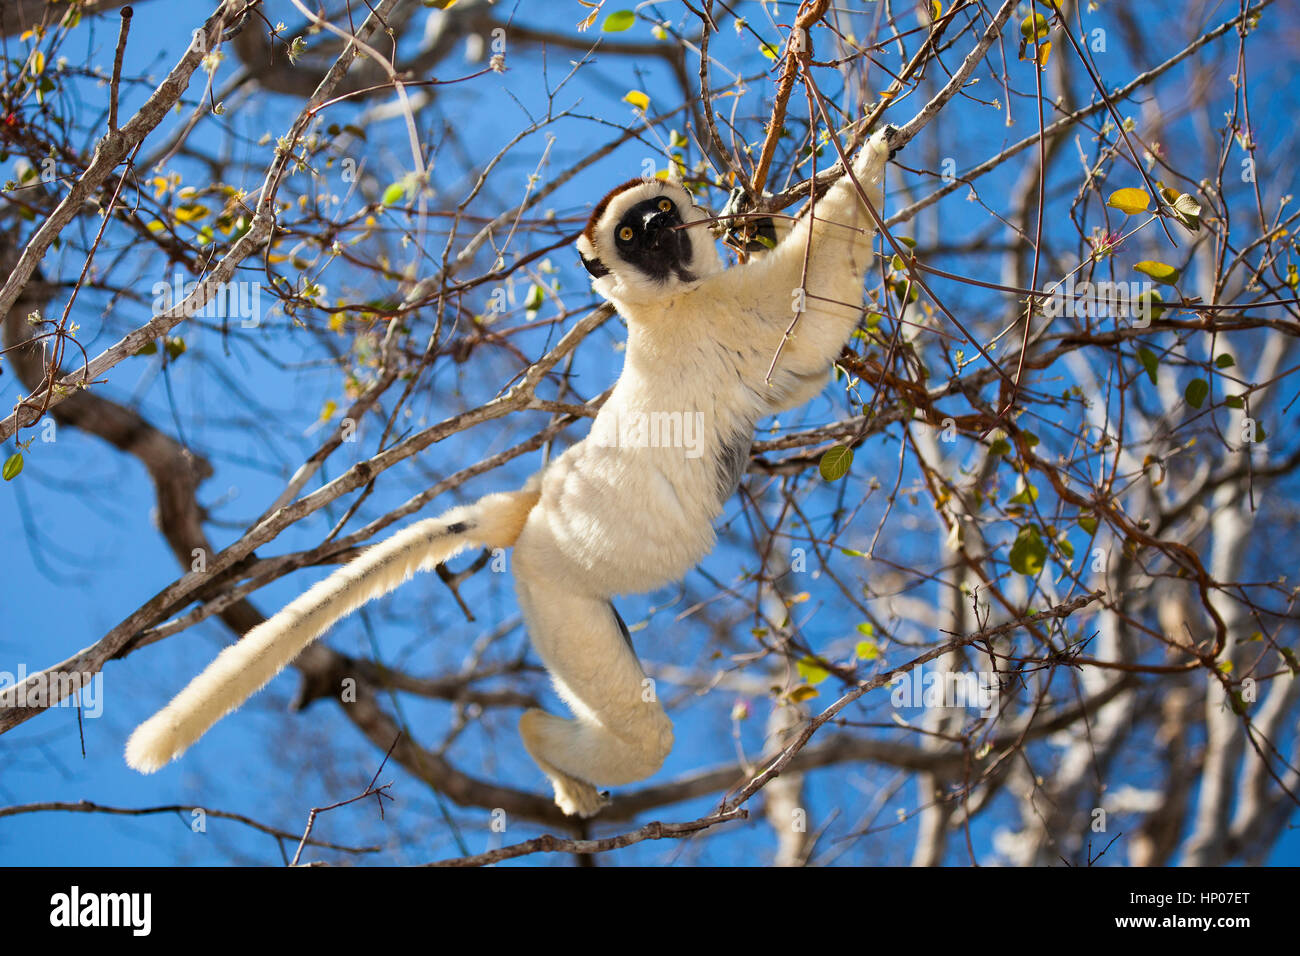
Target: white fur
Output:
[(616, 520), (624, 285), (244, 668), (609, 516)]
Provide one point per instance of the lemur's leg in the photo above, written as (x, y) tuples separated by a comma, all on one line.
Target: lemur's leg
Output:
[(619, 732)]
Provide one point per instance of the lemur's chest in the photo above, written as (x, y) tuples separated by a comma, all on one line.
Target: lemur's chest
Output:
[(641, 492), (680, 445)]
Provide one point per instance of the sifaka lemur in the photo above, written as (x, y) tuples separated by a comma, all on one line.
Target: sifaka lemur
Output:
[(614, 514)]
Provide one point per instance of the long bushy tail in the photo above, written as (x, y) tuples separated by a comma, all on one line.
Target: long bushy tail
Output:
[(245, 667)]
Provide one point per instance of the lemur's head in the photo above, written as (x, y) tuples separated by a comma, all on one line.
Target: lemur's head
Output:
[(645, 240)]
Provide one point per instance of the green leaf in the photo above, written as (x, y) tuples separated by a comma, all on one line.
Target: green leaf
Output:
[(1088, 523), (1195, 392), (1224, 361), (618, 21), (1148, 304), (1129, 201), (1029, 552), (867, 628), (812, 671), (835, 463), (866, 650), (175, 347), (1234, 401), (534, 301), (1000, 447), (13, 465), (394, 193), (1149, 362), (769, 50), (1161, 272), (1026, 494)]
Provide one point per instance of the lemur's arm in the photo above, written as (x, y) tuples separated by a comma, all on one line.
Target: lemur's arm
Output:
[(827, 297)]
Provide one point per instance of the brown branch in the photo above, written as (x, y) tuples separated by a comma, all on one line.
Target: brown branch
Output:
[(85, 806), (798, 52), (553, 844)]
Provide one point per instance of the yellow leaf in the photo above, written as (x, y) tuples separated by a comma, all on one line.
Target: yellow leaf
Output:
[(191, 212), (327, 412), (637, 99), (1159, 271), (1129, 201), (812, 671), (38, 63), (1035, 23)]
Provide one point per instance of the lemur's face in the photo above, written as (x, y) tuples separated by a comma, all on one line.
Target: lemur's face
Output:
[(645, 239)]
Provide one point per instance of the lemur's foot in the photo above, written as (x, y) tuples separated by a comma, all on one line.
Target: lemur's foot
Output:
[(884, 139), (577, 798)]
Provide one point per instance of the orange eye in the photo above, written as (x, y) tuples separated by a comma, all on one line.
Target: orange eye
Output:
[(665, 205), (625, 233)]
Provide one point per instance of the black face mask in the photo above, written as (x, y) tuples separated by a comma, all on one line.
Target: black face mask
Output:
[(650, 239)]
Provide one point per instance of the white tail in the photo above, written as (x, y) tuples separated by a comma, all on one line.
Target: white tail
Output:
[(244, 668)]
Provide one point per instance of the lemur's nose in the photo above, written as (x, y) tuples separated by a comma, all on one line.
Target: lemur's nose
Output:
[(658, 224), (657, 221)]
